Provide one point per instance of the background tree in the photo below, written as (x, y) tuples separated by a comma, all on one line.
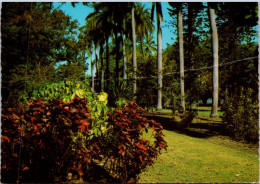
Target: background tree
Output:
[(134, 48), (214, 111), (34, 39), (181, 53), (159, 19)]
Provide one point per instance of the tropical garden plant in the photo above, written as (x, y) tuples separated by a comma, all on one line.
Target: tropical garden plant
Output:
[(75, 132)]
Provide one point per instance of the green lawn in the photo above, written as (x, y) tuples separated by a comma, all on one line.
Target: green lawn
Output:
[(206, 111), (190, 159), (202, 111)]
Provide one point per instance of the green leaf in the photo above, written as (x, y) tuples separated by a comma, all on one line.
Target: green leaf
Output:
[(46, 92), (99, 107), (41, 91), (57, 95), (51, 95), (34, 93), (248, 16)]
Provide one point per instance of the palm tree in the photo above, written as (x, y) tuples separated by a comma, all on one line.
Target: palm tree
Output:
[(90, 46), (214, 33), (102, 66), (181, 53), (144, 25), (94, 35), (149, 45), (141, 27), (104, 21), (82, 45), (124, 33), (159, 17), (134, 48), (124, 58), (86, 45), (114, 17)]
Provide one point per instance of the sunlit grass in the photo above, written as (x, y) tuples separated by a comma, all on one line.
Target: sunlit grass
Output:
[(202, 111), (189, 159)]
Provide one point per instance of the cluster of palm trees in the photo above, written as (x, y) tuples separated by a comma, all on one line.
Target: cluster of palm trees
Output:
[(118, 21)]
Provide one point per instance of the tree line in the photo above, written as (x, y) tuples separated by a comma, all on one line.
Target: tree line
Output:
[(119, 35)]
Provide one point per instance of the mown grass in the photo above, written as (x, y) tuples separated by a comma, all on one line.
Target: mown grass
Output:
[(190, 159), (206, 111), (202, 111)]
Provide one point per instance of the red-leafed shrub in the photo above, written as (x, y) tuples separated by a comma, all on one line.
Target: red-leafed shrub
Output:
[(46, 141), (56, 141), (126, 150)]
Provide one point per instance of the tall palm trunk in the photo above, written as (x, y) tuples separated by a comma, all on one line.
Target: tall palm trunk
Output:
[(214, 33), (107, 62), (92, 73), (134, 50), (84, 59), (117, 59), (159, 60), (181, 54), (102, 68), (124, 57), (189, 35), (97, 68)]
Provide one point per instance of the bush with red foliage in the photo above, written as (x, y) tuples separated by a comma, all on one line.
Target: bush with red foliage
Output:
[(129, 154), (52, 142), (46, 141)]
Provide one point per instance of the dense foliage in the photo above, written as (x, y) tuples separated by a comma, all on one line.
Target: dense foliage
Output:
[(45, 141), (128, 151), (241, 115), (35, 37), (57, 141), (56, 128)]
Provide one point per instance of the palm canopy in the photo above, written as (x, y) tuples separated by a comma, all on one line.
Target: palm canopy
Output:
[(144, 25), (158, 8)]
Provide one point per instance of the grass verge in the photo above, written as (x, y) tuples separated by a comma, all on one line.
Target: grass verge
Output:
[(202, 111), (190, 159)]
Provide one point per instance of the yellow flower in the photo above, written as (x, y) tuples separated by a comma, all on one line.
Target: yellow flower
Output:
[(103, 97), (69, 83), (67, 89), (78, 85), (79, 92), (103, 129)]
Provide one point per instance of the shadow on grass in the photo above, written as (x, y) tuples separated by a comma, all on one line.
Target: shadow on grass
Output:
[(200, 130)]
